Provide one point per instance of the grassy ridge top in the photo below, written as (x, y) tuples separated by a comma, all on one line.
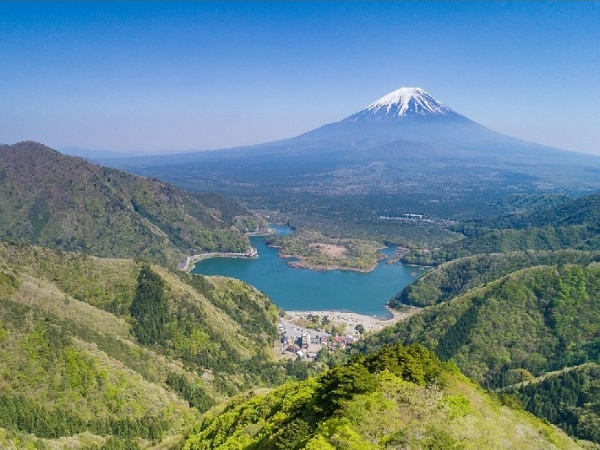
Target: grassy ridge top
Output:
[(399, 397), (59, 201)]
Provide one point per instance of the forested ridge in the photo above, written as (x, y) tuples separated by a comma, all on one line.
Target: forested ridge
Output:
[(519, 326), (122, 354), (67, 203), (569, 398), (517, 302), (398, 397), (458, 276), (573, 225)]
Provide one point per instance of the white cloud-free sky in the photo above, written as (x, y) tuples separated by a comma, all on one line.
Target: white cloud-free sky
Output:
[(160, 77)]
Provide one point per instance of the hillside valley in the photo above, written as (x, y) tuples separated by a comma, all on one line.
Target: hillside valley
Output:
[(114, 353), (103, 344)]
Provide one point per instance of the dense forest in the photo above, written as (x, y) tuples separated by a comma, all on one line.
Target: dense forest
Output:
[(571, 225), (569, 398), (67, 203)]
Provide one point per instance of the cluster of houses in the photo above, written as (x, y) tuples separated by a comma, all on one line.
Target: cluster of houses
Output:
[(342, 342), (307, 347)]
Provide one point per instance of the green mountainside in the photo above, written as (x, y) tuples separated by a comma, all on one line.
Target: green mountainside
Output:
[(118, 353), (569, 398), (113, 353), (399, 397), (59, 201), (458, 276), (522, 325), (571, 225)]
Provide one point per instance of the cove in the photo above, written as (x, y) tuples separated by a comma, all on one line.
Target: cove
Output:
[(308, 290)]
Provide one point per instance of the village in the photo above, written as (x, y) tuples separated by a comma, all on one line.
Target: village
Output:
[(299, 341), (305, 333)]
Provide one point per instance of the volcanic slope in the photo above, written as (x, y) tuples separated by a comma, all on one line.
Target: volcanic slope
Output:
[(64, 202)]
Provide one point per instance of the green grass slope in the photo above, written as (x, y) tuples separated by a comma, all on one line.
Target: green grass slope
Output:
[(520, 326), (76, 363), (59, 201), (399, 397)]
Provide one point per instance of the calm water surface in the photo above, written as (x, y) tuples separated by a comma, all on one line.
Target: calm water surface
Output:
[(302, 289)]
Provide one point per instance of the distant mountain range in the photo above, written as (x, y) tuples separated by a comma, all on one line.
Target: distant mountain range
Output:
[(59, 201)]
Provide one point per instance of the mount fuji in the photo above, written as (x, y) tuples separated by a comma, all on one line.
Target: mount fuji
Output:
[(411, 114), (406, 149), (406, 115), (406, 103)]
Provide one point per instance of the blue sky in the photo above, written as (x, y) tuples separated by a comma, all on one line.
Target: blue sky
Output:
[(149, 77)]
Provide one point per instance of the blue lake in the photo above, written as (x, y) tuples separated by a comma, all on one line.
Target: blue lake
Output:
[(302, 289)]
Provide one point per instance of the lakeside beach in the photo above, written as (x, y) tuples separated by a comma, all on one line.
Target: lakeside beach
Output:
[(350, 320)]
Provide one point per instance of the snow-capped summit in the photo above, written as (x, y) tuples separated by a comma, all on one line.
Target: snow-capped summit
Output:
[(404, 102)]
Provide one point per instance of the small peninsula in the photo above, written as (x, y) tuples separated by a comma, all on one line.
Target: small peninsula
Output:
[(312, 250)]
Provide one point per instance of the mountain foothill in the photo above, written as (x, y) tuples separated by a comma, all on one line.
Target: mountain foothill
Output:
[(104, 344), (65, 202)]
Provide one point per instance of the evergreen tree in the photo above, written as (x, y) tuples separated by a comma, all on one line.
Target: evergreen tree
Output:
[(149, 309)]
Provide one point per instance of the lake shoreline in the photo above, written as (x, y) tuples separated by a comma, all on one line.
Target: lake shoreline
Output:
[(191, 261), (351, 319), (313, 290)]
